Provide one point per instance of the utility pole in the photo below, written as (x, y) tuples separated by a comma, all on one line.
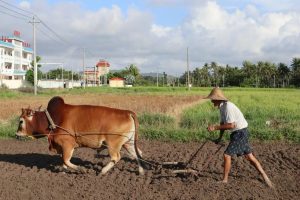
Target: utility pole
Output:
[(188, 70), (1, 53), (1, 82), (95, 76), (34, 55), (72, 77), (83, 67), (157, 78), (62, 75), (223, 77)]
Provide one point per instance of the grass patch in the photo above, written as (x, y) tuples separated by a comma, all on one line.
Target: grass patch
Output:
[(9, 128), (156, 120), (272, 114), (6, 93)]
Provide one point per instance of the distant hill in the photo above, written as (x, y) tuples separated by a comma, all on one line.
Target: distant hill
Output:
[(152, 74)]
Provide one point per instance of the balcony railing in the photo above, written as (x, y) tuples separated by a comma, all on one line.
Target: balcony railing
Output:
[(12, 72)]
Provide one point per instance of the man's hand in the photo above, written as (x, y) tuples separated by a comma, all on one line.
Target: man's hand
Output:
[(211, 128)]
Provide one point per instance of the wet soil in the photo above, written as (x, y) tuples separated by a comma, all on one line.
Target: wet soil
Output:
[(29, 171)]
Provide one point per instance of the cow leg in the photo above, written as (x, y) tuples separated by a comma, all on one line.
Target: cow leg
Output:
[(66, 156), (130, 148), (115, 156)]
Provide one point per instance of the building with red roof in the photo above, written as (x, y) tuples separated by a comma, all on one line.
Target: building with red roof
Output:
[(97, 74), (117, 82)]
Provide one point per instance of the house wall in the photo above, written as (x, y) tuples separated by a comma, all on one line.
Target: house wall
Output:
[(116, 83), (13, 84), (58, 84)]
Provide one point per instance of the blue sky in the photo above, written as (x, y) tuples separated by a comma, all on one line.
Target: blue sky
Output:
[(164, 14), (154, 34)]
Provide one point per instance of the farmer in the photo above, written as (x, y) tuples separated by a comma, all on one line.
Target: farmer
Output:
[(232, 119)]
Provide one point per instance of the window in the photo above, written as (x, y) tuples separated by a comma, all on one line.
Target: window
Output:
[(17, 66), (18, 54)]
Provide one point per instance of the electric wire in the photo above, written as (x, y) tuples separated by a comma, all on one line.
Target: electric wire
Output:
[(22, 18), (11, 5), (15, 11), (56, 34), (46, 34)]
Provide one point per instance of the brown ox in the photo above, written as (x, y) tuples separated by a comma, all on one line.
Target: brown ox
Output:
[(82, 126)]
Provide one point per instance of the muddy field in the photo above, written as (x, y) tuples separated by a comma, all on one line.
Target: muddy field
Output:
[(28, 171)]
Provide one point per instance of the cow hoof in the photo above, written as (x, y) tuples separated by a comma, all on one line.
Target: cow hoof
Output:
[(82, 170), (141, 172), (103, 172)]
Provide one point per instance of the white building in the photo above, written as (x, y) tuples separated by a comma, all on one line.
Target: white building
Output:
[(15, 58)]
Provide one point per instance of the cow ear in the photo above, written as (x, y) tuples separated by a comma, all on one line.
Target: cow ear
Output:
[(29, 112), (23, 111)]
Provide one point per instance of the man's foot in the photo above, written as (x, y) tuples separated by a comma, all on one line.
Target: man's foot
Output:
[(223, 182), (270, 184)]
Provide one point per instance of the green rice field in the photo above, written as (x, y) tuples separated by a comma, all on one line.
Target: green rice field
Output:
[(272, 114)]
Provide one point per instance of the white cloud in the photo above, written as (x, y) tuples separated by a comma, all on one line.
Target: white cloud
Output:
[(212, 33), (160, 31), (231, 37), (25, 5)]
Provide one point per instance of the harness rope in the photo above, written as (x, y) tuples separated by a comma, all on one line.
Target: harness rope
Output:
[(53, 126)]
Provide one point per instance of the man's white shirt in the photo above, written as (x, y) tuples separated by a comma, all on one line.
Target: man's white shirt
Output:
[(230, 113)]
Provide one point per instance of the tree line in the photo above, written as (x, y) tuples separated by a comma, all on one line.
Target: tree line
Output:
[(260, 74)]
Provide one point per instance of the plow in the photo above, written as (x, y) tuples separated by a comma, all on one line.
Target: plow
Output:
[(180, 167)]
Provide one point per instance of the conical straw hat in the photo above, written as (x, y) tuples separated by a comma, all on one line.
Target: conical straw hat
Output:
[(216, 94)]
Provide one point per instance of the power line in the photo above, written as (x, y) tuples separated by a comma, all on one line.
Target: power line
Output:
[(29, 17), (17, 7), (46, 34), (22, 18), (50, 33), (15, 11), (51, 30)]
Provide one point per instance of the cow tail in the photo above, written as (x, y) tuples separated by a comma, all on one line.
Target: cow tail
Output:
[(136, 124)]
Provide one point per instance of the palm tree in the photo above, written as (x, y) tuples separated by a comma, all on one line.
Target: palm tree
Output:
[(133, 70), (296, 71), (215, 73), (283, 73), (250, 73)]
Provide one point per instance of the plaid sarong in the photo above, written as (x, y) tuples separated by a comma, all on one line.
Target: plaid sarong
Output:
[(239, 144)]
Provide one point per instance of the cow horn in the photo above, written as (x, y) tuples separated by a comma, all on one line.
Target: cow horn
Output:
[(39, 108), (31, 112)]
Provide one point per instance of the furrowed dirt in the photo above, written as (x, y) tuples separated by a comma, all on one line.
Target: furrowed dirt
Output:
[(28, 171)]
